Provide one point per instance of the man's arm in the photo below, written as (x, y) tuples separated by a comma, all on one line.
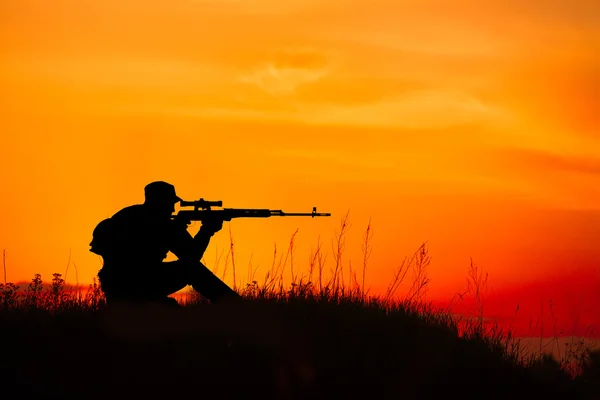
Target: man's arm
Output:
[(189, 248)]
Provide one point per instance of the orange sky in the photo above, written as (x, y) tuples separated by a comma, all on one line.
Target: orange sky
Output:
[(475, 128)]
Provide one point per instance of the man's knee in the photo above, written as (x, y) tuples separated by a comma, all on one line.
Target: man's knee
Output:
[(202, 274), (194, 270), (189, 263)]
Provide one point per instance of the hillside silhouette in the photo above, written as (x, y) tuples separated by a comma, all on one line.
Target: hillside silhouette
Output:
[(303, 342)]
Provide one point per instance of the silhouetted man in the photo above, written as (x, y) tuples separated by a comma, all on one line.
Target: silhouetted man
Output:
[(134, 242)]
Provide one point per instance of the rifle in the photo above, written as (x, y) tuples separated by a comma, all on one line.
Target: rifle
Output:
[(203, 211)]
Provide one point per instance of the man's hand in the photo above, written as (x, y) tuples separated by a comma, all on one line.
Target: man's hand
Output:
[(180, 222), (211, 226)]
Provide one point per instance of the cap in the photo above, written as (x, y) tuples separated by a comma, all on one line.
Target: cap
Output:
[(160, 190)]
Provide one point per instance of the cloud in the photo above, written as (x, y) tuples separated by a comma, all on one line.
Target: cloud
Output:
[(262, 7), (426, 109), (416, 109), (287, 70), (552, 161), (555, 88), (173, 75), (553, 178)]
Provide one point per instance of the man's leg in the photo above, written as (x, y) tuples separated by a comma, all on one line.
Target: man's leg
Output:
[(204, 281), (162, 281), (112, 288), (155, 285)]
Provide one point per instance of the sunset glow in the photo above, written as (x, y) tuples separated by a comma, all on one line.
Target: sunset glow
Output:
[(475, 129)]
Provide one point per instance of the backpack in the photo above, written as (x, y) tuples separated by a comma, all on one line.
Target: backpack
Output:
[(102, 237)]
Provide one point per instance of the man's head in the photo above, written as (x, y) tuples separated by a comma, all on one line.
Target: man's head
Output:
[(161, 197)]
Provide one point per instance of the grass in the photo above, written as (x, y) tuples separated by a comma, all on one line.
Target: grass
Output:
[(322, 335)]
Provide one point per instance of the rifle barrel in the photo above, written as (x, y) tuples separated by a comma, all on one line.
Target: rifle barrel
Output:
[(229, 213), (284, 214)]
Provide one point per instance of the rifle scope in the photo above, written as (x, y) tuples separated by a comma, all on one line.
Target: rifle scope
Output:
[(204, 204)]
